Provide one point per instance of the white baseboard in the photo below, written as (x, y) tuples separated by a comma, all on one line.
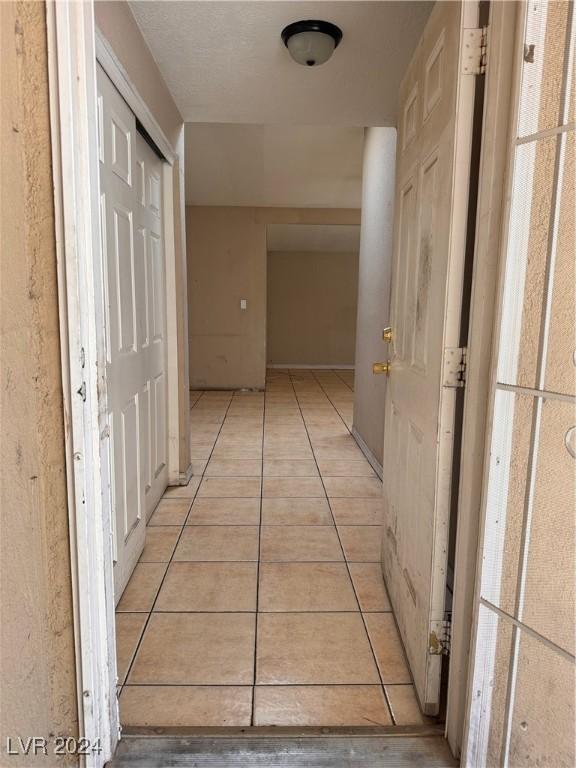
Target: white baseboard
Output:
[(372, 460), (335, 367)]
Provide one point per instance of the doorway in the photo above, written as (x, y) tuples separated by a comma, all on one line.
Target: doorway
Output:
[(312, 295), (121, 335), (295, 394)]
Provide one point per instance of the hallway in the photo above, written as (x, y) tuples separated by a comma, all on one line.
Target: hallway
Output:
[(262, 602)]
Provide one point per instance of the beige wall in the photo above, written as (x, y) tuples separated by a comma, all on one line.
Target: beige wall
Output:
[(226, 250), (226, 262), (311, 308), (37, 659), (117, 24), (375, 274)]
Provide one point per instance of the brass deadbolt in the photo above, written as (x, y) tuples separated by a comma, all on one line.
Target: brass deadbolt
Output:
[(387, 334)]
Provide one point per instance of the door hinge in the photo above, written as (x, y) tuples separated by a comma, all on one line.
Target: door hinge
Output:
[(440, 637), (474, 51), (454, 374)]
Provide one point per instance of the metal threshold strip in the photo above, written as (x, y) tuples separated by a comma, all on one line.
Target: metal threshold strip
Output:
[(276, 747)]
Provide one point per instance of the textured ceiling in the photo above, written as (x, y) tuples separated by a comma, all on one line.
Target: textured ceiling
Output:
[(225, 61), (325, 238), (271, 165)]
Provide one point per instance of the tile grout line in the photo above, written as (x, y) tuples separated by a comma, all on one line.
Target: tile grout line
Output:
[(165, 562), (273, 525), (268, 685), (369, 639), (148, 613), (192, 499), (290, 562), (255, 612), (346, 560), (335, 372), (332, 404), (252, 712)]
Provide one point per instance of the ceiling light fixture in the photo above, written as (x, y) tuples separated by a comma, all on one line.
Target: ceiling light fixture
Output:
[(311, 42)]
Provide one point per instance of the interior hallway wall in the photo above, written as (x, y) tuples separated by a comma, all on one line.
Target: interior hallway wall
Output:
[(37, 656), (227, 257), (375, 271), (116, 23), (311, 308)]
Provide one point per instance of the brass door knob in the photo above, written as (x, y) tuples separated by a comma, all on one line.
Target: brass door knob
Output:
[(381, 368), (387, 334)]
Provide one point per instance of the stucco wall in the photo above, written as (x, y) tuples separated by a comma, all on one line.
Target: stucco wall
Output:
[(37, 659), (375, 272), (226, 250), (311, 308), (522, 693)]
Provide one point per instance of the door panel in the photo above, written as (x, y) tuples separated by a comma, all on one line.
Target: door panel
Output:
[(153, 341), (123, 255), (160, 425), (436, 111), (130, 449), (405, 247), (157, 274), (146, 436), (122, 136), (425, 260), (131, 202)]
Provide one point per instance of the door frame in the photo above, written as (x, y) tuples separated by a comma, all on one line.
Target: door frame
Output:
[(478, 701), (74, 48), (491, 203)]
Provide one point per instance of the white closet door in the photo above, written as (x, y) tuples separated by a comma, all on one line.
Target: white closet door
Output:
[(134, 280), (151, 320)]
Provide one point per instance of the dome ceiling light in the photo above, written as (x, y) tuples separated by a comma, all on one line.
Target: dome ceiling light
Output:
[(311, 42)]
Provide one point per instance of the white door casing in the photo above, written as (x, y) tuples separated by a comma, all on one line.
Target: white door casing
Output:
[(74, 48), (523, 634), (134, 279), (433, 158)]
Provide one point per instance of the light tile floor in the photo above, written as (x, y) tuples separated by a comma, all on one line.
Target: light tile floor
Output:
[(258, 599)]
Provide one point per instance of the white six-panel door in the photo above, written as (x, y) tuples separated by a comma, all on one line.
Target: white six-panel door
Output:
[(430, 222), (134, 282)]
